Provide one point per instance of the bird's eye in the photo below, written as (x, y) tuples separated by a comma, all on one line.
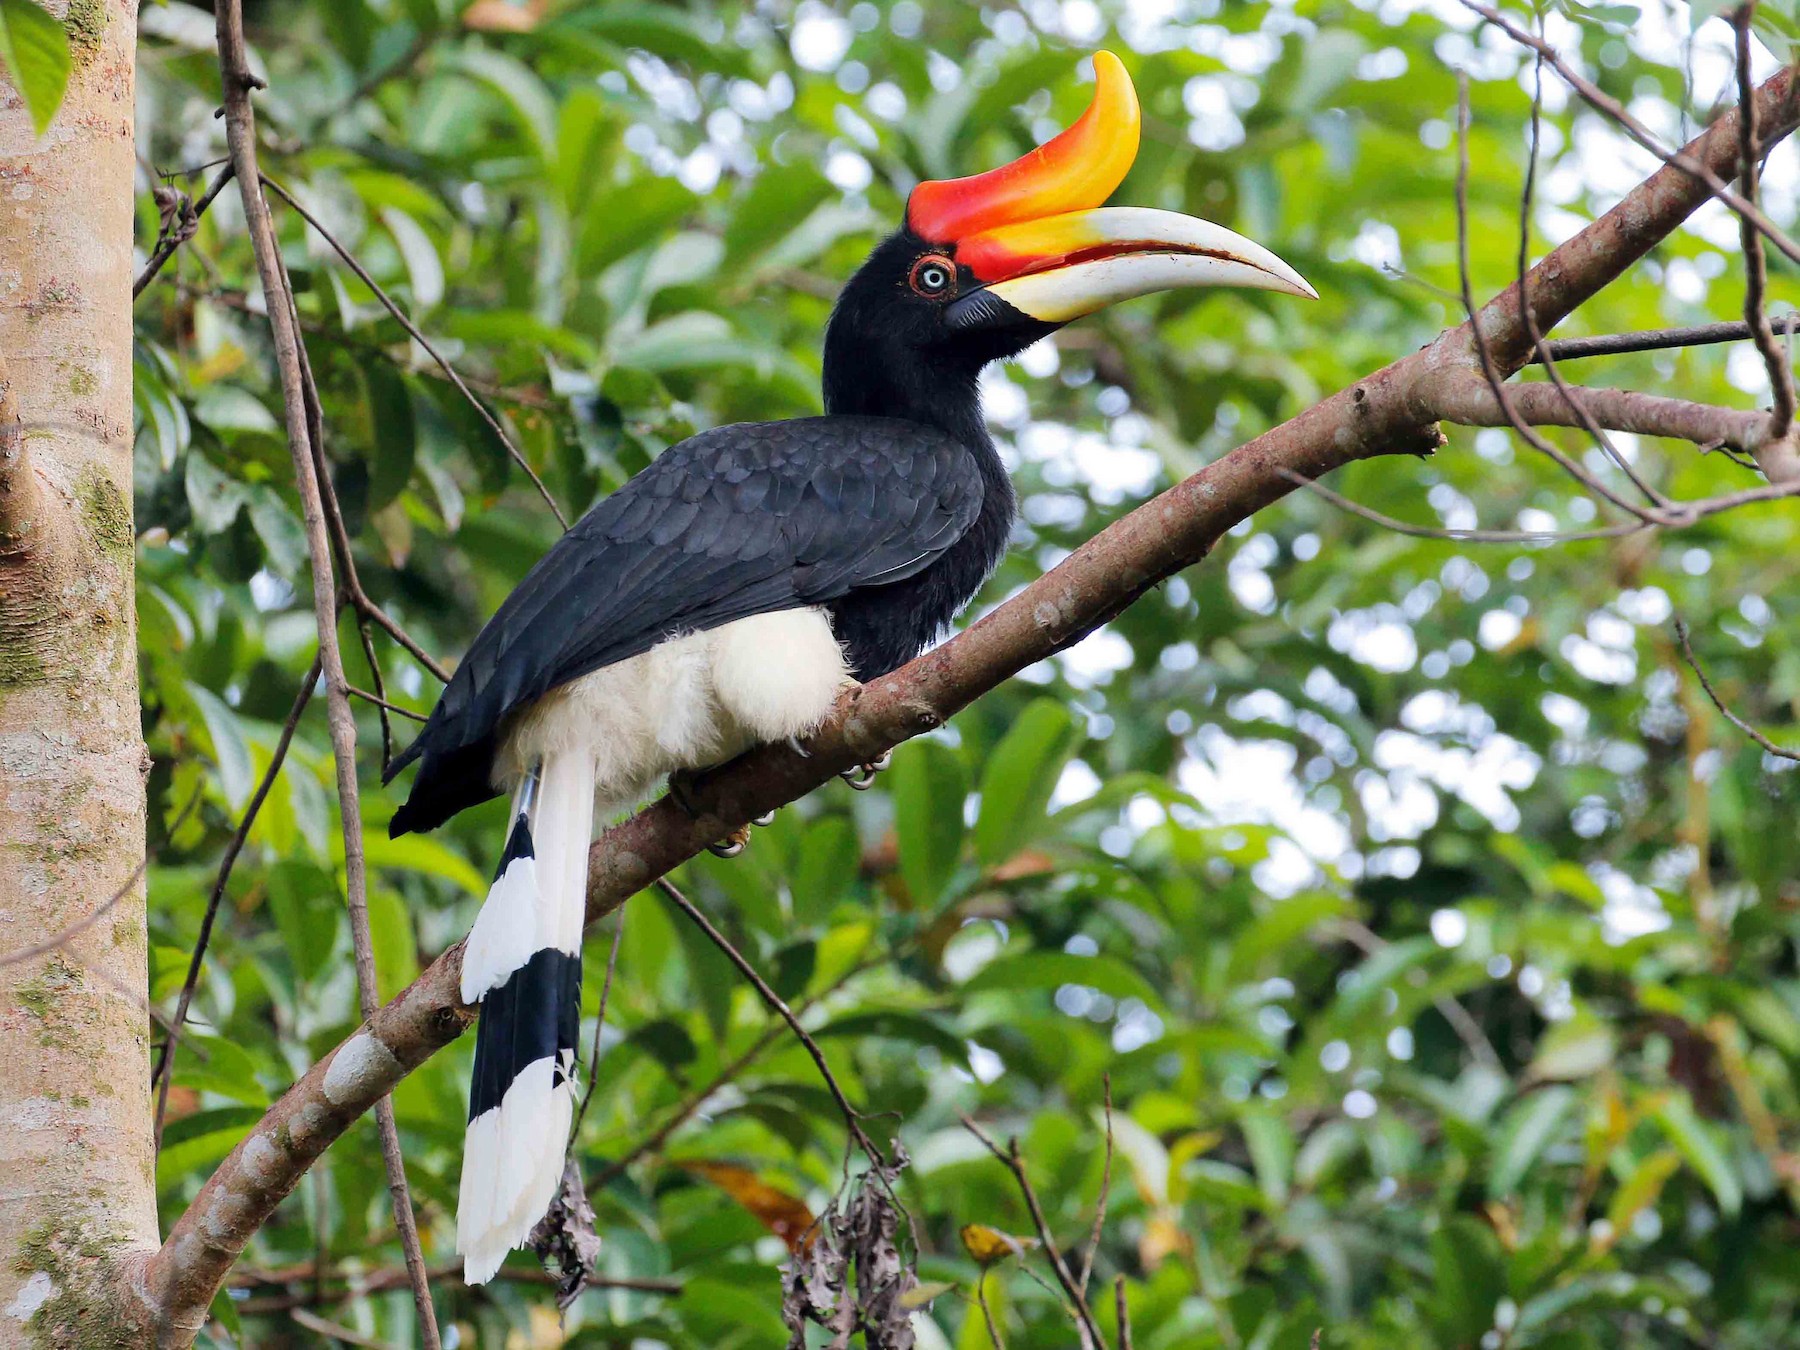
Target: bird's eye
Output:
[(933, 277)]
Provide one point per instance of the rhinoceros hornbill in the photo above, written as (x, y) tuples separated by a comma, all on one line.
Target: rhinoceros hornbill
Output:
[(726, 595)]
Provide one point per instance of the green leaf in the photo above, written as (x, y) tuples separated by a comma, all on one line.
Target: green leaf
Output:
[(1271, 1145), (887, 1024), (1524, 1132), (1573, 1050), (307, 907), (1021, 774), (395, 444), (230, 750), (34, 53), (391, 937), (929, 788), (830, 859), (1470, 1278), (1052, 970), (1699, 1145), (214, 498), (414, 853)]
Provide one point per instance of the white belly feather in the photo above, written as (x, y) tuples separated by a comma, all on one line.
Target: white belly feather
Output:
[(688, 703)]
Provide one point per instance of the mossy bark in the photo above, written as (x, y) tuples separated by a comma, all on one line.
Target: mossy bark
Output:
[(78, 1204)]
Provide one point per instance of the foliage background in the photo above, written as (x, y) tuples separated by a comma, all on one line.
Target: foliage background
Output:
[(1242, 850)]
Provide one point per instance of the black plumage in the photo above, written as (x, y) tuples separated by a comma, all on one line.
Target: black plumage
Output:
[(889, 512)]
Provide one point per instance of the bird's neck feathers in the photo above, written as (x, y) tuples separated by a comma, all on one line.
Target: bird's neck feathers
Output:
[(871, 372)]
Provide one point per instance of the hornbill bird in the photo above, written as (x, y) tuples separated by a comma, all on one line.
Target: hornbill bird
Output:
[(726, 595)]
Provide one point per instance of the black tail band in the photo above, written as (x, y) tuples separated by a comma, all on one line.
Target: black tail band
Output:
[(535, 1014)]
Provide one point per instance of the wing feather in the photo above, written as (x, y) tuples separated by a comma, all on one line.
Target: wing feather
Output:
[(740, 520)]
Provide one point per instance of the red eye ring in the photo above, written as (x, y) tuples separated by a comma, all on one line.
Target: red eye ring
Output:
[(933, 276)]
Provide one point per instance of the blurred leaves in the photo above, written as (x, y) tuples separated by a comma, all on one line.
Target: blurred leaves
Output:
[(1438, 938)]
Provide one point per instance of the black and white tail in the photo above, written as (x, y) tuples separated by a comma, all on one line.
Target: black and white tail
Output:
[(523, 964)]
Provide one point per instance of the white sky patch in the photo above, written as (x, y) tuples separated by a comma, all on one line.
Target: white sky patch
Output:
[(1378, 637), (1077, 783), (820, 38), (1497, 628), (1252, 782), (1095, 659), (1631, 909), (1481, 776)]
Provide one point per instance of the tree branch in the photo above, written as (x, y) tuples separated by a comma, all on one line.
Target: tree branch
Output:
[(164, 1072), (1471, 403), (1392, 411), (413, 331), (1687, 654), (300, 402), (179, 231), (1697, 167), (1778, 457), (1658, 339), (1010, 1158)]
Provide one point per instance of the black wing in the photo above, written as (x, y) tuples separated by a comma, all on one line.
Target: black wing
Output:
[(740, 520)]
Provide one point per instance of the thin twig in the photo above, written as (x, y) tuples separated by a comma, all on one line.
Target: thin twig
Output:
[(373, 659), (1469, 536), (724, 1078), (1489, 369), (1125, 1315), (1687, 654), (1093, 1247), (313, 1322), (987, 1313), (300, 404), (612, 960), (165, 1063), (1756, 267), (1603, 102), (1467, 1029), (852, 1117), (1658, 339), (173, 239), (378, 701), (1010, 1158), (412, 329), (1528, 312), (380, 618), (87, 921)]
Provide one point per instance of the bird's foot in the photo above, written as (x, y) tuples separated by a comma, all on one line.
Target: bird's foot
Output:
[(862, 777), (732, 844), (682, 783)]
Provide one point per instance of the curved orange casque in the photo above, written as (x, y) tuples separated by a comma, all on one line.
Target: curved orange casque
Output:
[(1073, 171)]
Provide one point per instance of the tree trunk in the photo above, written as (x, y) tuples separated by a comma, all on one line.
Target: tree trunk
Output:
[(77, 1172)]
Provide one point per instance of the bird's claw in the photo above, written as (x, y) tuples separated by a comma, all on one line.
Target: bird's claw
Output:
[(680, 783), (793, 743), (732, 844), (862, 777), (766, 819)]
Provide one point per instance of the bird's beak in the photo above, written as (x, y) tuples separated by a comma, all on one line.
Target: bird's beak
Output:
[(1038, 242)]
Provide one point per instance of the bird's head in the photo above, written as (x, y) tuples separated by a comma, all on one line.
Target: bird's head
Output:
[(984, 266)]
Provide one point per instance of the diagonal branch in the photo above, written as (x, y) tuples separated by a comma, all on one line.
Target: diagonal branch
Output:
[(1687, 654), (300, 402), (1778, 458), (164, 1071), (1685, 161), (413, 331), (1014, 1162), (1391, 411), (1660, 339), (181, 230)]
